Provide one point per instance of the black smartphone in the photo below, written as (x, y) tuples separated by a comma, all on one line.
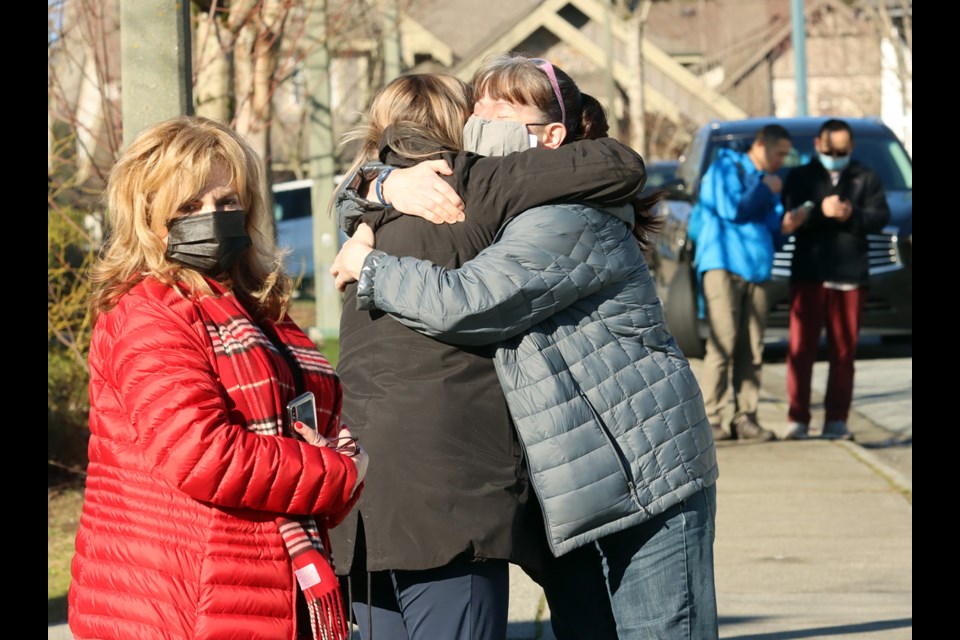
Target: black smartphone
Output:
[(805, 208), (303, 409)]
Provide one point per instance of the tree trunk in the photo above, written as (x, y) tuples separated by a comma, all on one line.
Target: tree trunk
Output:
[(258, 27), (212, 74), (240, 22), (636, 19), (638, 134)]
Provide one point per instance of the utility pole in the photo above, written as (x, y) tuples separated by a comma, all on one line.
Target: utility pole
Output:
[(321, 154), (636, 21), (632, 13), (391, 42), (611, 83), (799, 26), (156, 70)]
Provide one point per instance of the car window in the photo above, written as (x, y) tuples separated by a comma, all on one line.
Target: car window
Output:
[(690, 165), (740, 142), (291, 204), (658, 173), (886, 157)]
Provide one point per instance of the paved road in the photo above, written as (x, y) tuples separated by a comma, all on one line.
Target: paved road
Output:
[(842, 568), (883, 397)]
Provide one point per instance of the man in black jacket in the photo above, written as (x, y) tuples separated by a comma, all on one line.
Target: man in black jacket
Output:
[(829, 274)]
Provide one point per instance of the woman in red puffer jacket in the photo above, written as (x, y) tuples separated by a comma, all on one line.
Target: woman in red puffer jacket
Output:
[(205, 513)]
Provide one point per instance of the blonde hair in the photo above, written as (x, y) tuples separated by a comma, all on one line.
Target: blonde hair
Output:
[(168, 165), (431, 110)]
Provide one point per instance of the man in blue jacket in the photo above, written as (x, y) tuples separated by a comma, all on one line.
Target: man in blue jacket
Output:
[(742, 222)]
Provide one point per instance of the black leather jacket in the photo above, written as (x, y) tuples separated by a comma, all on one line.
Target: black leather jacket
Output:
[(827, 250)]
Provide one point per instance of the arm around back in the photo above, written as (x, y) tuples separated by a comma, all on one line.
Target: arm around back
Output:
[(602, 172), (543, 261)]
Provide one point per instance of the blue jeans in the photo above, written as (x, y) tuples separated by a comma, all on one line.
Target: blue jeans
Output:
[(658, 576)]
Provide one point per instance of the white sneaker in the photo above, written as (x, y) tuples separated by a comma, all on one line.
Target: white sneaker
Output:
[(836, 430), (798, 431)]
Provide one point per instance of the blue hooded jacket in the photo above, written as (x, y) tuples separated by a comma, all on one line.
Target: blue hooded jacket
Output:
[(740, 216)]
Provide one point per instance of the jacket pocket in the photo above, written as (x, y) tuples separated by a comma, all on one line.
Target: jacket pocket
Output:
[(621, 458)]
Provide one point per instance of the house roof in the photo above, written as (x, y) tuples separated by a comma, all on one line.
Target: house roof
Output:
[(467, 25), (710, 26)]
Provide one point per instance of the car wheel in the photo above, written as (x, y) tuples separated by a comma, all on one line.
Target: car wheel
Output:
[(680, 311)]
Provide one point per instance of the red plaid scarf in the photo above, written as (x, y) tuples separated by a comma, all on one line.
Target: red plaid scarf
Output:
[(260, 383)]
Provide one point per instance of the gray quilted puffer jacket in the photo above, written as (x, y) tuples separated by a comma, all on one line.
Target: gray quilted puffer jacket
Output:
[(607, 407)]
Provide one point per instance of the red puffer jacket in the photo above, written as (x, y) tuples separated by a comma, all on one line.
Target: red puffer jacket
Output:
[(178, 536)]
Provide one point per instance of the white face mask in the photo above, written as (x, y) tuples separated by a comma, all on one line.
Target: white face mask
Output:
[(496, 137)]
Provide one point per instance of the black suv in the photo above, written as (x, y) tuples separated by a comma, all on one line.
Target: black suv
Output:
[(888, 310)]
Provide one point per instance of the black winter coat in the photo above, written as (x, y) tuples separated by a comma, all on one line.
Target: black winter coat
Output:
[(447, 479), (827, 250)]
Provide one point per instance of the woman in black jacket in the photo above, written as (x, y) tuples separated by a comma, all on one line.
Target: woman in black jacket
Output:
[(447, 503)]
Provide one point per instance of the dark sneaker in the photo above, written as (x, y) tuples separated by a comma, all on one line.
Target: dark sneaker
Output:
[(748, 429), (797, 431), (719, 433), (836, 430)]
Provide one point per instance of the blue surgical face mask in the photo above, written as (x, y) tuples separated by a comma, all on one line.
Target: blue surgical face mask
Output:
[(496, 137), (834, 164)]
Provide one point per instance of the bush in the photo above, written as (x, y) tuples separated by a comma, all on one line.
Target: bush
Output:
[(67, 411), (70, 252)]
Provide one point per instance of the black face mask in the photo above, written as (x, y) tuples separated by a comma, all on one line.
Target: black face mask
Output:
[(208, 242)]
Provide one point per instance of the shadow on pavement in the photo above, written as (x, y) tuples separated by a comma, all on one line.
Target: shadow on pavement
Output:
[(888, 444), (820, 632)]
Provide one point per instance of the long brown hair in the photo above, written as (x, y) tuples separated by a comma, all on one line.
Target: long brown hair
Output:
[(522, 80), (167, 165)]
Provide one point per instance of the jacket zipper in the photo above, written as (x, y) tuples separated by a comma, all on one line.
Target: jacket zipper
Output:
[(621, 459), (551, 324)]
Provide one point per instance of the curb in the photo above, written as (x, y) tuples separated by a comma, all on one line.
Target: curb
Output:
[(894, 477)]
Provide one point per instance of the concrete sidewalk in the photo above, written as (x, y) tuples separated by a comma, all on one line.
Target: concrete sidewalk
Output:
[(814, 540)]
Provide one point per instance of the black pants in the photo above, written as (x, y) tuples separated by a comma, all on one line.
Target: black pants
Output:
[(576, 592), (459, 601)]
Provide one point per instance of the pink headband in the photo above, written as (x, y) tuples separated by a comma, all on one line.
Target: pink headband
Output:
[(552, 76)]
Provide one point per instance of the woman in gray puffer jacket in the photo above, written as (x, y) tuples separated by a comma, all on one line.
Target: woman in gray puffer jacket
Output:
[(608, 411)]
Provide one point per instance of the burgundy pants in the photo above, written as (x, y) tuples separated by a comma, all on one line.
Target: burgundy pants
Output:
[(811, 307)]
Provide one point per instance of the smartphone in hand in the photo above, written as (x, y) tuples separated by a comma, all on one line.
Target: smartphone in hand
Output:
[(303, 409)]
